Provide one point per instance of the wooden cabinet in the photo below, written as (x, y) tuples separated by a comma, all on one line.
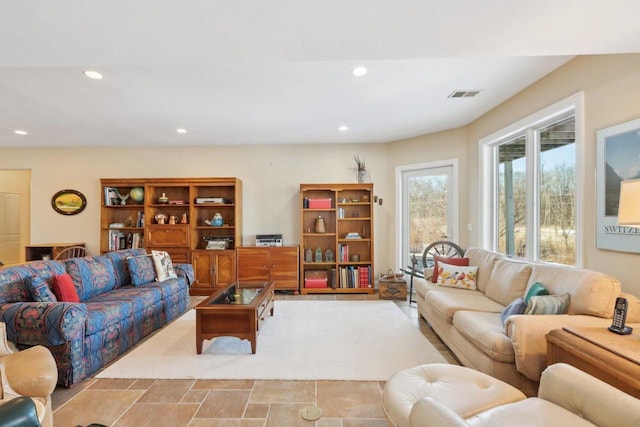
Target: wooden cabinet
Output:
[(269, 263), (212, 269), (44, 250), (337, 242), (175, 215)]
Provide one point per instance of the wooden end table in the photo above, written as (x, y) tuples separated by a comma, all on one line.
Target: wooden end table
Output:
[(615, 359), (236, 311)]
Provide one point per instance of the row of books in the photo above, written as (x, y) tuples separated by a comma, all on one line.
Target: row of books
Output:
[(119, 240), (354, 277)]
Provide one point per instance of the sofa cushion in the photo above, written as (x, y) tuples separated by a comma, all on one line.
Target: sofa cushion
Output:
[(485, 331), (104, 314), (456, 276), (121, 266), (450, 260), (548, 304), (64, 289), (163, 265), (508, 281), (447, 303), (535, 290), (13, 284), (543, 412), (92, 275), (485, 261), (40, 290), (141, 269), (592, 293), (518, 306)]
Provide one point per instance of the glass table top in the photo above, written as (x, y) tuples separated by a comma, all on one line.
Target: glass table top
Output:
[(239, 295)]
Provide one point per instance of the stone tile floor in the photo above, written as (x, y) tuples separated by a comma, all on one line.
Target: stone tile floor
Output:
[(227, 403)]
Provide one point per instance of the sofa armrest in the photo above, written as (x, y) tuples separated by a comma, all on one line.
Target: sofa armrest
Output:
[(44, 323), (589, 397), (527, 333), (32, 372), (186, 271), (430, 412)]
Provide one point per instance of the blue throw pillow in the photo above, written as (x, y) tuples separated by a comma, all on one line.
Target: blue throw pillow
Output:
[(40, 290), (516, 307), (141, 269)]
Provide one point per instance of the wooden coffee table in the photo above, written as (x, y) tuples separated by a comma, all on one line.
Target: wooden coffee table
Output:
[(236, 311)]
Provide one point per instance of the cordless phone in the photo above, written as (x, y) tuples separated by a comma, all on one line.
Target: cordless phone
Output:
[(619, 317)]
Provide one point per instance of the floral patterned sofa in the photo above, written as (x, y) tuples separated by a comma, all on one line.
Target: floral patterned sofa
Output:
[(120, 302)]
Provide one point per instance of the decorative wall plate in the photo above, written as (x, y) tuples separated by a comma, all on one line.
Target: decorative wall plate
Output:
[(68, 202)]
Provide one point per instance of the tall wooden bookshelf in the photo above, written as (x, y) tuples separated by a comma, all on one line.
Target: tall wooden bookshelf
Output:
[(347, 213), (190, 201)]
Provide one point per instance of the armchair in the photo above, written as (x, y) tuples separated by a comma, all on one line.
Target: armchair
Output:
[(31, 372)]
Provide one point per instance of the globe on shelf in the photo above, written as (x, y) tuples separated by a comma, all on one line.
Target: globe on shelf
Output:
[(137, 194)]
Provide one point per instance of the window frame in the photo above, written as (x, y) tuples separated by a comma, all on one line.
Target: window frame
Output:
[(488, 167)]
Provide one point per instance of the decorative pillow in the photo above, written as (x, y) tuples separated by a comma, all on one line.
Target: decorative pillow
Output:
[(40, 290), (548, 304), (64, 289), (451, 261), (141, 269), (536, 289), (455, 276), (518, 306), (163, 265)]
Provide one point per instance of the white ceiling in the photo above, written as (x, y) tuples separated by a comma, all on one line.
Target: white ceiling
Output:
[(256, 72)]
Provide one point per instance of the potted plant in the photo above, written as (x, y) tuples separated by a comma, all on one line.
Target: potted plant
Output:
[(360, 169)]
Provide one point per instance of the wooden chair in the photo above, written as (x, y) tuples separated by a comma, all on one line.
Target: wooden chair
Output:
[(72, 252)]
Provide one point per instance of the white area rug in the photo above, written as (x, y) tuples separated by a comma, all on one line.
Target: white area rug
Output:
[(331, 340)]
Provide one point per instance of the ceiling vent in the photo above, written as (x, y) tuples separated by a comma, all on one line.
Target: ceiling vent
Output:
[(463, 93)]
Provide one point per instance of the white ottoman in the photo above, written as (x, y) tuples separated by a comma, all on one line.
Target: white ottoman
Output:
[(463, 390)]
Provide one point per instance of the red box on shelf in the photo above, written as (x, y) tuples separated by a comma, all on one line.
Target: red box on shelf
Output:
[(315, 283), (319, 203)]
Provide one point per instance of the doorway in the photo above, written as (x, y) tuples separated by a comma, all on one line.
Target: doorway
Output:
[(428, 207), (15, 208)]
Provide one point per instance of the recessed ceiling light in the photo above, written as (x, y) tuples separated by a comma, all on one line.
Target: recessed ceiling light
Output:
[(181, 130), (93, 74), (343, 128), (359, 71), (20, 132)]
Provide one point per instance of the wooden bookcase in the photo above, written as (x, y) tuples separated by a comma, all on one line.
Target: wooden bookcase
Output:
[(347, 211), (171, 217)]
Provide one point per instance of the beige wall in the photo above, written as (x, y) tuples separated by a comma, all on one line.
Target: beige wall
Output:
[(271, 174), (611, 85)]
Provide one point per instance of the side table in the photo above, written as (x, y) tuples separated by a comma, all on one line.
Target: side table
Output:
[(615, 359)]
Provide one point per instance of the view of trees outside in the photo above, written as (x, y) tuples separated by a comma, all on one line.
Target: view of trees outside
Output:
[(427, 212), (557, 186)]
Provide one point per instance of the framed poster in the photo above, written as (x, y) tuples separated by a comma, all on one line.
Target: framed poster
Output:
[(68, 202), (617, 160)]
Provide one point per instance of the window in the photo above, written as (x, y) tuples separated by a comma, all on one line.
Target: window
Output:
[(428, 208), (530, 185)]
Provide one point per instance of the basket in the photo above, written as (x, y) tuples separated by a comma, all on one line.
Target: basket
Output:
[(392, 277), (392, 286)]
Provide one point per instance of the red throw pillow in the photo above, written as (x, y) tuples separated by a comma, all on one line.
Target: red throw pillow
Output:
[(463, 262), (64, 289)]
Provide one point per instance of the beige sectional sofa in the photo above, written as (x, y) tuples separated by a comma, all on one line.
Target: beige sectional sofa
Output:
[(469, 321)]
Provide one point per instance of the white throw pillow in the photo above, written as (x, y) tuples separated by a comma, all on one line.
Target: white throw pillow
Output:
[(163, 265), (456, 276)]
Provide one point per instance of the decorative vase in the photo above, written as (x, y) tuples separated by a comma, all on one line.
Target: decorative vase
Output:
[(184, 219), (163, 199), (319, 226), (217, 220), (362, 176)]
